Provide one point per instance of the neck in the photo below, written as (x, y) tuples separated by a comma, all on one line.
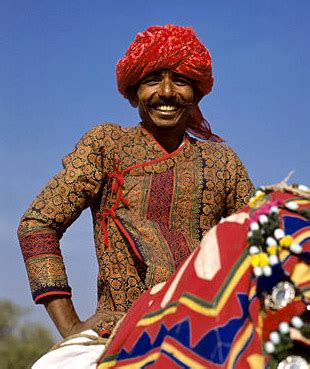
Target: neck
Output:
[(169, 139)]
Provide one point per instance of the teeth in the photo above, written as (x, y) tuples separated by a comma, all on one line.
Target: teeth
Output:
[(166, 108)]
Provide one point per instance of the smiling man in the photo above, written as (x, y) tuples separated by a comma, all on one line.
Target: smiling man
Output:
[(154, 190), (165, 99)]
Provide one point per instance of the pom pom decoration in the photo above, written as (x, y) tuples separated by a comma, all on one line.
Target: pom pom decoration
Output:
[(284, 328), (297, 322), (269, 347), (296, 248), (271, 241), (267, 271), (254, 226), (253, 250), (263, 219), (273, 260), (274, 209), (258, 271), (278, 233), (292, 205), (275, 337), (269, 249)]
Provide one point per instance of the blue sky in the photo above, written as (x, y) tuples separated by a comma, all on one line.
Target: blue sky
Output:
[(58, 80)]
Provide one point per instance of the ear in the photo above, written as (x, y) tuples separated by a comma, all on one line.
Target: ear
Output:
[(132, 97), (197, 95)]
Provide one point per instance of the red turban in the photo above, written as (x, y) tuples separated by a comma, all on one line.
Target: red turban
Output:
[(175, 48)]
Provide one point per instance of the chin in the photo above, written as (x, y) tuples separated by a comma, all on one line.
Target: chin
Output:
[(168, 123)]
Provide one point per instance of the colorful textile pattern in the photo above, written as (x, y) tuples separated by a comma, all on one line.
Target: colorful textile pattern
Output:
[(208, 314), (150, 210), (168, 47)]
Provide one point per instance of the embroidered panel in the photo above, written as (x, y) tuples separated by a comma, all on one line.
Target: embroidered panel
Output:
[(187, 194), (47, 274), (160, 211), (39, 243)]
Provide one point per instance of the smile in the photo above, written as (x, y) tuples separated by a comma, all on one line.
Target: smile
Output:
[(166, 108)]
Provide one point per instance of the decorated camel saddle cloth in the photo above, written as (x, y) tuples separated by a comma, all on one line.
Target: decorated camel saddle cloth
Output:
[(241, 300)]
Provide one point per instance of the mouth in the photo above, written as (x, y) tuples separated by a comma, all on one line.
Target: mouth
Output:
[(166, 108)]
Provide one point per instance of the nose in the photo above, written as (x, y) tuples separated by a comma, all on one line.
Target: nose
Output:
[(166, 88)]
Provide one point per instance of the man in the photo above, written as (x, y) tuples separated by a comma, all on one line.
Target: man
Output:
[(153, 189)]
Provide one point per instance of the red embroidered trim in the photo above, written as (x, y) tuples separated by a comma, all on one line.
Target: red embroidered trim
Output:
[(118, 177), (52, 293), (117, 188), (129, 239), (39, 243)]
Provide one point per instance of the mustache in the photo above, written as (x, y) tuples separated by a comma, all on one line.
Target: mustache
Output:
[(172, 101)]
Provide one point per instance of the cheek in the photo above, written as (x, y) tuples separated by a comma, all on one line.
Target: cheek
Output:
[(187, 94), (190, 95), (144, 93), (143, 109)]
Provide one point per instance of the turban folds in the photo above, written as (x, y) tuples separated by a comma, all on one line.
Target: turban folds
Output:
[(175, 48)]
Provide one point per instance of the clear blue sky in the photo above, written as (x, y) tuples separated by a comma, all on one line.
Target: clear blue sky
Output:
[(57, 73)]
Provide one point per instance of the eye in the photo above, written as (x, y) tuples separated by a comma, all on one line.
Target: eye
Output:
[(181, 81), (151, 81)]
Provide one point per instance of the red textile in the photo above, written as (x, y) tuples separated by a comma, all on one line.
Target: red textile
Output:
[(210, 314), (175, 48), (169, 47)]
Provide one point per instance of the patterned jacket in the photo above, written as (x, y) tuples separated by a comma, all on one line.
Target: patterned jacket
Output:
[(150, 209)]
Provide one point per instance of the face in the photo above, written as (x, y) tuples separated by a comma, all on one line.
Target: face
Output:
[(164, 99)]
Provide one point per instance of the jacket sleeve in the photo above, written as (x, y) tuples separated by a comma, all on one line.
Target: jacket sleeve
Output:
[(54, 210), (239, 187)]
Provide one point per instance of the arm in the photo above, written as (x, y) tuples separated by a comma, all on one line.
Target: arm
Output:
[(47, 218), (64, 316)]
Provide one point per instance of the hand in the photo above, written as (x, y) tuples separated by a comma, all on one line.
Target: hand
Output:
[(63, 314), (96, 320)]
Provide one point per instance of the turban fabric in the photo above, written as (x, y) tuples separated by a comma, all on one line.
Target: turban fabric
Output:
[(175, 48)]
